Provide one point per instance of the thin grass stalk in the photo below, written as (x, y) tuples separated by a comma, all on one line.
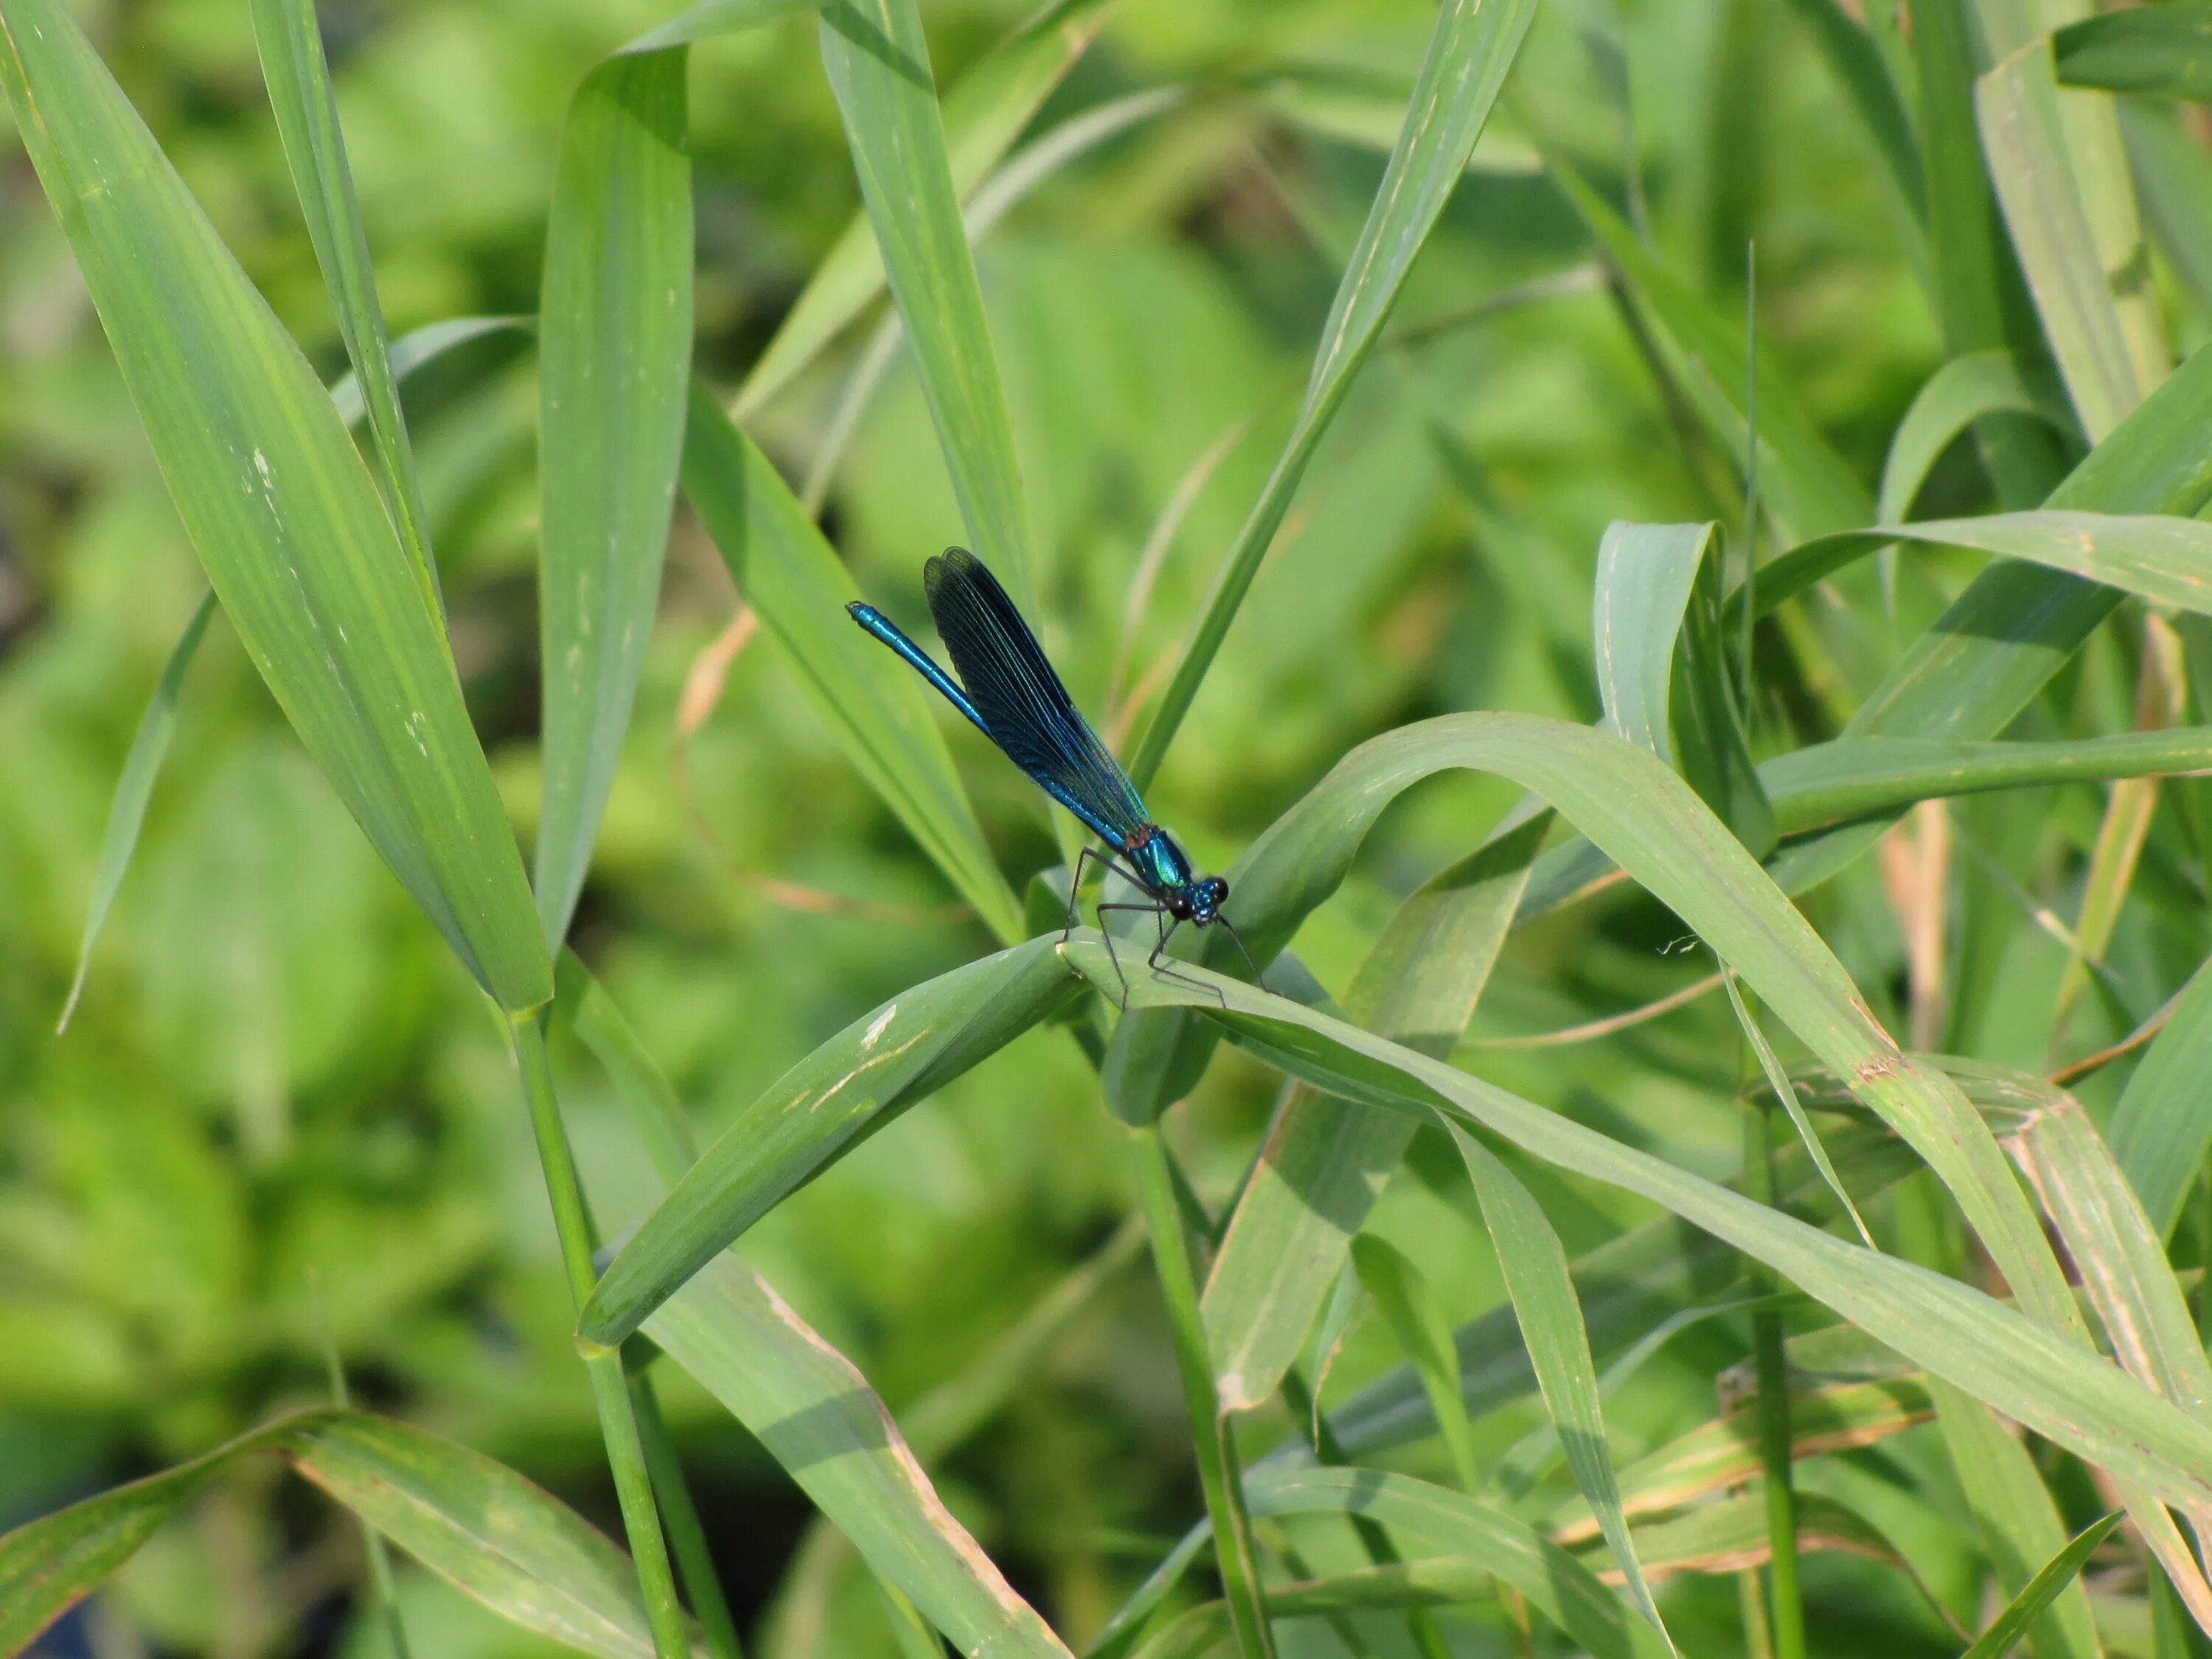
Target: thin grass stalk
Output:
[(1217, 1470), (1786, 1622), (610, 1387), (686, 1537), (379, 1557)]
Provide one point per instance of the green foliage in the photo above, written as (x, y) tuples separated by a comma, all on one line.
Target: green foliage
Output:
[(1361, 400)]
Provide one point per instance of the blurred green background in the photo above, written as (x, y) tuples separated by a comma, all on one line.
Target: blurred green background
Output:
[(279, 1081)]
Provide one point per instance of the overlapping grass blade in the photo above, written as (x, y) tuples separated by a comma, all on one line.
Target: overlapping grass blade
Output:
[(818, 1417), (476, 1523), (1470, 50), (2020, 1366), (1324, 1162), (299, 80), (1968, 388), (848, 1088), (984, 113), (1785, 1092), (878, 65), (1534, 1266), (418, 348), (2057, 1575), (1872, 91), (2159, 51), (614, 363), (1408, 1303), (1805, 484), (2159, 1129), (279, 505), (134, 789), (870, 701)]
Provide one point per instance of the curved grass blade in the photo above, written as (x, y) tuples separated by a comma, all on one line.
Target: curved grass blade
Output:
[(126, 813), (878, 65), (818, 1417), (279, 505), (1324, 1162), (1534, 1266), (476, 1523), (2036, 1596), (1472, 47), (614, 360), (418, 348), (1956, 396), (1647, 819), (2030, 1370), (704, 19), (873, 705), (849, 1088), (984, 113), (2158, 51), (299, 80), (1786, 1092)]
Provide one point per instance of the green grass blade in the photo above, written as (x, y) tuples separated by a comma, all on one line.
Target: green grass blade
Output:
[(476, 1523), (654, 1111), (849, 1087), (1786, 1092), (284, 512), (2157, 51), (418, 348), (984, 112), (614, 355), (704, 19), (2174, 176), (2159, 1131), (1324, 1162), (134, 789), (1640, 814), (2106, 371), (1645, 575), (1957, 395), (1534, 1266), (2057, 1575), (878, 65), (299, 79), (872, 703), (2019, 1521), (2054, 1383), (1402, 1291), (818, 1417), (1471, 49), (1804, 484), (1872, 91)]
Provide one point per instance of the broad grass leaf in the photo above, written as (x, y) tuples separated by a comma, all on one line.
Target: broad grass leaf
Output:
[(1648, 820), (872, 703), (2105, 353), (2159, 51), (847, 1089), (614, 363), (1542, 1292), (280, 506), (984, 113), (2054, 1579), (1964, 391), (299, 80), (2033, 1369), (1324, 1162), (134, 789), (878, 66), (477, 1524), (818, 1417), (1471, 49)]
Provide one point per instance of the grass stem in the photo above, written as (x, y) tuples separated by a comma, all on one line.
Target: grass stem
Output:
[(1786, 1620)]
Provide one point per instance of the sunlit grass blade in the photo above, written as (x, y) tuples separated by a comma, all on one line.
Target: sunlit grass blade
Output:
[(1471, 49), (1804, 483), (1965, 390), (818, 1417), (279, 505), (2019, 1523), (614, 363), (1534, 1266), (134, 789), (2107, 370), (476, 1523), (2045, 1378), (878, 65), (1402, 1291), (2057, 1574), (299, 80), (871, 702), (984, 113), (848, 1088), (1325, 1161)]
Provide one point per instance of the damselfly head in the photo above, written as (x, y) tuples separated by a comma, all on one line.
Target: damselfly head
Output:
[(1206, 898)]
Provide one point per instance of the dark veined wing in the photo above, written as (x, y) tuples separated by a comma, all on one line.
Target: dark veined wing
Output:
[(1027, 710)]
